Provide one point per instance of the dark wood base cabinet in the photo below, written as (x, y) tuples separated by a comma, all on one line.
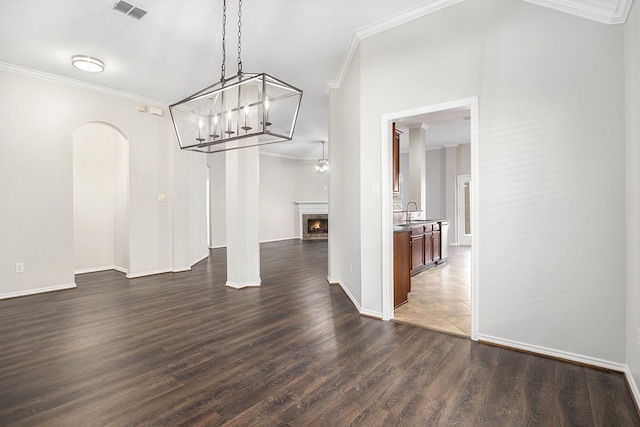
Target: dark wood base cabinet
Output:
[(425, 247), (401, 268)]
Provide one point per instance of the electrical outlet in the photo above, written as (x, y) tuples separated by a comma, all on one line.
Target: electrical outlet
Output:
[(638, 337), (19, 267), (350, 268)]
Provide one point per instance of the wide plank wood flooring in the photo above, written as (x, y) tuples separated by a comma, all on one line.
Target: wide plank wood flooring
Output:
[(181, 349)]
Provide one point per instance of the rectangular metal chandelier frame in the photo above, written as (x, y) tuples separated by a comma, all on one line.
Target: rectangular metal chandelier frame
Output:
[(253, 100)]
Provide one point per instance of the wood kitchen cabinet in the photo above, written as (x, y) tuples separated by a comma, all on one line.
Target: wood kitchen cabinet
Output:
[(401, 267), (425, 247), (395, 158), (417, 248), (435, 244)]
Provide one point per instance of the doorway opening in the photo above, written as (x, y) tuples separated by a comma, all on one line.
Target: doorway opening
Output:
[(100, 199), (442, 204)]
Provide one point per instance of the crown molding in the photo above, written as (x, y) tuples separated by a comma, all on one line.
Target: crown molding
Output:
[(589, 9), (417, 126), (583, 8), (16, 69), (280, 156), (428, 7)]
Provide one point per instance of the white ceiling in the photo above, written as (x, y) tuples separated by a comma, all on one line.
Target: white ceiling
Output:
[(448, 128), (175, 49)]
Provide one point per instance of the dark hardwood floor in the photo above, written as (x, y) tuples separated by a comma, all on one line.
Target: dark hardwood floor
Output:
[(182, 349)]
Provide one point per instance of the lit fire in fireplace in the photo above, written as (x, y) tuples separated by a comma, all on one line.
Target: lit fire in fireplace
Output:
[(317, 226)]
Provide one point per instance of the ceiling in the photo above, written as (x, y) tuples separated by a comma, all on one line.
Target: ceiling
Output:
[(175, 49), (448, 128)]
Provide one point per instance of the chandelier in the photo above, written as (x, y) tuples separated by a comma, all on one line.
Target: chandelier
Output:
[(246, 110), (323, 164)]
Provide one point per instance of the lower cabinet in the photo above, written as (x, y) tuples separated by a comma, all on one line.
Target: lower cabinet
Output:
[(401, 267), (417, 252), (425, 247)]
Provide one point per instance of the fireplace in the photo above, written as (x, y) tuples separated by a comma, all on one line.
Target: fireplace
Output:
[(313, 211), (315, 226)]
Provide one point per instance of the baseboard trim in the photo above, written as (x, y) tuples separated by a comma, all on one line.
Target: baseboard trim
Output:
[(202, 258), (235, 285), (151, 273), (279, 240), (332, 281), (633, 387), (261, 241), (351, 297), (356, 304), (37, 291), (98, 269), (372, 314), (556, 354)]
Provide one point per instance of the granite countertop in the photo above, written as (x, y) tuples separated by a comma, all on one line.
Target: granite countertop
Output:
[(406, 226)]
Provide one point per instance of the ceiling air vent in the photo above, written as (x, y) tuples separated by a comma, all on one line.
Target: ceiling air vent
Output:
[(129, 10)]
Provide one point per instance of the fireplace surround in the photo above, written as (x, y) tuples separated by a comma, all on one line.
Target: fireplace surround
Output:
[(313, 222), (315, 226)]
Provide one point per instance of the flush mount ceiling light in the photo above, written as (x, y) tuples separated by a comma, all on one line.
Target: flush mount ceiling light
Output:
[(246, 110), (87, 63), (323, 164)]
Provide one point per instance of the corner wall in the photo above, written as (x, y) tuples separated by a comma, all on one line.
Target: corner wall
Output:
[(632, 38), (346, 158), (36, 181), (551, 156)]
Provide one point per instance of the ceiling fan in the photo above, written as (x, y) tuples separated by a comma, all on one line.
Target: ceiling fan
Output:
[(322, 164)]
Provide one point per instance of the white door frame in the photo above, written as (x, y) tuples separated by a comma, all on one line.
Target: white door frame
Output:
[(461, 238), (387, 201)]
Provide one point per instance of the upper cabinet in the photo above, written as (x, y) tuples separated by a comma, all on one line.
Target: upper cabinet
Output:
[(396, 158)]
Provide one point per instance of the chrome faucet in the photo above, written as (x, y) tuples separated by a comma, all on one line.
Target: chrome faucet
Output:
[(408, 212)]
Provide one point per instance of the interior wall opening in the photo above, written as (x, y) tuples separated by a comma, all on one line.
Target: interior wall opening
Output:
[(443, 141), (100, 198)]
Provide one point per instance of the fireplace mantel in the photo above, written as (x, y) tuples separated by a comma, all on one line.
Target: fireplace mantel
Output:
[(310, 208)]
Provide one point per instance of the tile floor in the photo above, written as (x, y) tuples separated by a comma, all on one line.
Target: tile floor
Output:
[(440, 297)]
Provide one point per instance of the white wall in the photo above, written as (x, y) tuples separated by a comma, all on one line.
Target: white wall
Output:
[(218, 199), (632, 33), (100, 189), (464, 159), (278, 178), (36, 181), (311, 185), (198, 248), (345, 152), (551, 163), (121, 202)]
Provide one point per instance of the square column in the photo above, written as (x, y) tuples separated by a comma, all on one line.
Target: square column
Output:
[(418, 168), (243, 217)]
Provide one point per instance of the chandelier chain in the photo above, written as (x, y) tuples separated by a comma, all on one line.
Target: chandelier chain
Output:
[(224, 35), (239, 36)]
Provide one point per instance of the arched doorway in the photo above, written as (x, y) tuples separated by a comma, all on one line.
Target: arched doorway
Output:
[(100, 198)]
